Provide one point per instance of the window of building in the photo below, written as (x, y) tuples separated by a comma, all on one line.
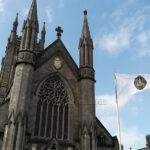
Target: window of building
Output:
[(52, 109)]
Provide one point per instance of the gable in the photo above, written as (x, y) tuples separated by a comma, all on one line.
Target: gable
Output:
[(46, 69), (103, 136), (57, 48)]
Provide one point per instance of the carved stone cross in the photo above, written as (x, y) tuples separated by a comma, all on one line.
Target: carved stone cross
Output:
[(59, 32)]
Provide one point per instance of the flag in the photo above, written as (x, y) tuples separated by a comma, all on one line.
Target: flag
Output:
[(127, 84)]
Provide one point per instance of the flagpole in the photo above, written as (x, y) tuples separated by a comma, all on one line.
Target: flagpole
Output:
[(118, 115)]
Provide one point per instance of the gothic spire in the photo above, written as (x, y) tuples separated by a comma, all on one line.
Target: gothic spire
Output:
[(32, 15), (14, 30), (86, 44), (85, 36), (85, 30), (15, 24), (87, 79), (43, 33), (30, 28)]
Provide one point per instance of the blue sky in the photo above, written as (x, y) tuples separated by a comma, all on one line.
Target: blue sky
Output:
[(121, 33)]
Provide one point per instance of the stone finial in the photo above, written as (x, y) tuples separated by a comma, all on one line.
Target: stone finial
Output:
[(14, 29), (85, 30), (16, 20), (43, 32), (43, 27), (59, 31), (85, 12)]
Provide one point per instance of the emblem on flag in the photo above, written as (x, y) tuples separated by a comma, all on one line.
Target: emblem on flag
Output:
[(140, 82)]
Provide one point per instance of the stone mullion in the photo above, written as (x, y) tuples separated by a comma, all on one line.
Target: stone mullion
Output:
[(68, 136), (63, 122), (40, 122), (89, 54), (37, 121), (86, 54), (47, 110), (51, 134), (49, 119), (66, 122), (57, 131), (83, 55)]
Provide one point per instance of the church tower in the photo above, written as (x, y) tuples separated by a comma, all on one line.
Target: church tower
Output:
[(8, 61), (87, 99), (14, 137)]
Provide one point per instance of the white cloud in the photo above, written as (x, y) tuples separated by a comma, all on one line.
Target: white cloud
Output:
[(144, 45), (49, 14), (135, 110), (109, 100), (125, 32), (108, 117), (113, 42), (107, 113), (120, 37), (61, 3), (131, 137), (1, 6), (143, 37)]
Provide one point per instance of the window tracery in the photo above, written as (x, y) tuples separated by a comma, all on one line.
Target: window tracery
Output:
[(52, 109)]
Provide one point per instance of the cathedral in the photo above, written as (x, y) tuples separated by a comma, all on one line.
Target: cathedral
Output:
[(47, 101)]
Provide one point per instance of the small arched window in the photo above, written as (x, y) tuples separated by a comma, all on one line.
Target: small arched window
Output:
[(102, 139), (52, 109)]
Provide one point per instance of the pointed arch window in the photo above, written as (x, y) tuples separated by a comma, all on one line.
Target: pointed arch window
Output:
[(52, 109)]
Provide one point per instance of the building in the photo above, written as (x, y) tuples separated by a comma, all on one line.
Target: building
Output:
[(147, 143), (47, 102)]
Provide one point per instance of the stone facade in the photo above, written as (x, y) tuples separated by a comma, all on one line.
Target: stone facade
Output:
[(46, 100)]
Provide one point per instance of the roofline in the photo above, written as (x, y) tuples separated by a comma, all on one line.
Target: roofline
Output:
[(64, 48), (104, 127)]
